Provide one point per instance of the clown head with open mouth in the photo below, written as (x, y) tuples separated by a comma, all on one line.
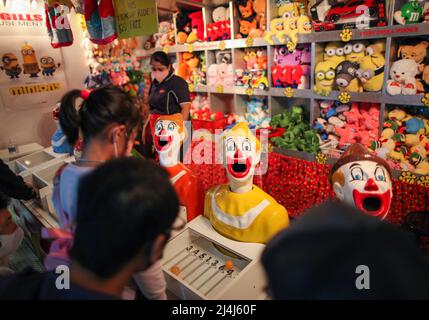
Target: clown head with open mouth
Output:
[(242, 153), (168, 137), (363, 180)]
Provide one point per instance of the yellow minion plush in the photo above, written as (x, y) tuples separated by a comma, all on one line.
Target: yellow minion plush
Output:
[(353, 52), (334, 52), (371, 67), (30, 64), (325, 77), (11, 66)]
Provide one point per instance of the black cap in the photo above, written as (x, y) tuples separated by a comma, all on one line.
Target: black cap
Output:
[(318, 257)]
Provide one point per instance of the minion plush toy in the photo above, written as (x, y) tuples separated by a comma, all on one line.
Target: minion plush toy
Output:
[(325, 76), (30, 65), (11, 66), (48, 66)]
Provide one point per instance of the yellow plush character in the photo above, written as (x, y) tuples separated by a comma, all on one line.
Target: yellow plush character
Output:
[(288, 10), (353, 52), (325, 76), (411, 140), (334, 52), (240, 210), (422, 168), (276, 30), (371, 69), (398, 115), (304, 24), (290, 32), (396, 155)]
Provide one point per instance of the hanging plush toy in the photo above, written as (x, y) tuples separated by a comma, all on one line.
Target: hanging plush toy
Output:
[(100, 21), (59, 29)]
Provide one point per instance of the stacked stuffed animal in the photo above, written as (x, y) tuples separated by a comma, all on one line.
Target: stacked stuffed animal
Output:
[(257, 113), (220, 28), (291, 69), (341, 125), (298, 133), (291, 20), (221, 73), (190, 27), (165, 36), (251, 18), (404, 141), (254, 73), (200, 107), (355, 67), (410, 74), (192, 68)]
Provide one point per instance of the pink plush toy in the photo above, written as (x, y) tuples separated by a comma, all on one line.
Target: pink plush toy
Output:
[(353, 116), (346, 135)]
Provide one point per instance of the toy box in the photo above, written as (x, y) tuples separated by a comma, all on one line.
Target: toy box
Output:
[(339, 14)]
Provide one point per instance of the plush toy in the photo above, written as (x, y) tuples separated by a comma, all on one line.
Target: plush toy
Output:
[(354, 51), (190, 62), (334, 52), (426, 12), (287, 9), (59, 140), (197, 27), (245, 28), (219, 29), (417, 50), (276, 31), (58, 25), (165, 36), (224, 56), (259, 6), (325, 76), (245, 8), (183, 24), (411, 12), (346, 79), (257, 112), (403, 77), (371, 68), (304, 24), (261, 59)]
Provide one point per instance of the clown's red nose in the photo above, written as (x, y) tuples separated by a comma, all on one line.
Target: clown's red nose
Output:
[(371, 185), (238, 154)]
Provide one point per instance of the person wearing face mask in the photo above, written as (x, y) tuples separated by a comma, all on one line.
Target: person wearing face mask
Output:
[(107, 120), (11, 235), (168, 93), (123, 222)]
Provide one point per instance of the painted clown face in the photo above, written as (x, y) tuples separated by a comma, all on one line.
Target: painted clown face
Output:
[(241, 155), (366, 185), (167, 137)]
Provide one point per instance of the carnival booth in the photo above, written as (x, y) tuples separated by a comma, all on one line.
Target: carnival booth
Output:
[(292, 103)]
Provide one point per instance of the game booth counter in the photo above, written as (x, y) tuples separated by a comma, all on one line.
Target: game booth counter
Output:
[(293, 103)]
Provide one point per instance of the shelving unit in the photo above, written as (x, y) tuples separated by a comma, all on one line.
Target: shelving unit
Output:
[(277, 99)]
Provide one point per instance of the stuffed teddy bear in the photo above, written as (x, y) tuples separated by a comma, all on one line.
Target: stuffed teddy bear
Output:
[(417, 50), (259, 6), (403, 77), (165, 36)]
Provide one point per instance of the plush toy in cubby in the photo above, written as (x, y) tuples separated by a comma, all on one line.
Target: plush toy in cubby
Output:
[(251, 72), (192, 67), (291, 69), (340, 125), (190, 26), (221, 73), (404, 141), (165, 35), (410, 12), (251, 17), (356, 66), (410, 73), (220, 28), (257, 112), (200, 107), (298, 134), (291, 20), (336, 14)]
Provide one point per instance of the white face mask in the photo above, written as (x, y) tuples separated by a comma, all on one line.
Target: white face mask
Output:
[(10, 242), (160, 75)]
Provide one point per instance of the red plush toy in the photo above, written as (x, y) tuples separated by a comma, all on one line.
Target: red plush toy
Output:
[(197, 23)]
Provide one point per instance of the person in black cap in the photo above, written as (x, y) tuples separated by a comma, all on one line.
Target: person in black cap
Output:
[(337, 252)]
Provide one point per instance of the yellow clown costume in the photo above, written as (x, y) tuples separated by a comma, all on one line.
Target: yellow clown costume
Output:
[(249, 216)]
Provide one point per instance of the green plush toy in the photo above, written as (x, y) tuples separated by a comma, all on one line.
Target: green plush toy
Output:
[(299, 135)]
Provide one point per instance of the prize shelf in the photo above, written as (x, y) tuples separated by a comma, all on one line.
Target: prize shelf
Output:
[(390, 32)]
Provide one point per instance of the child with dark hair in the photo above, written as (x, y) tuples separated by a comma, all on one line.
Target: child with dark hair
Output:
[(107, 120), (123, 224)]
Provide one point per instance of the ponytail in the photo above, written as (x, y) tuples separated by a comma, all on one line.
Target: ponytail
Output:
[(69, 116), (99, 109)]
